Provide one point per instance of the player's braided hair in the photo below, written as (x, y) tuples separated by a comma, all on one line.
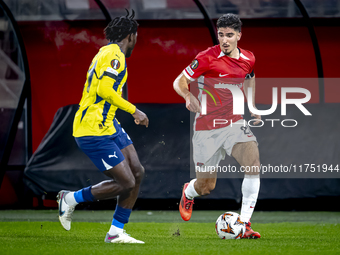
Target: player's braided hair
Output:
[(120, 27), (230, 20)]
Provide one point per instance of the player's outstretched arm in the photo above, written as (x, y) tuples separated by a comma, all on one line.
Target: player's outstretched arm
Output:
[(181, 86), (251, 83), (106, 91)]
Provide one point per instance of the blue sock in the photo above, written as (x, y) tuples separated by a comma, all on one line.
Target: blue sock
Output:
[(117, 224), (84, 195), (121, 217)]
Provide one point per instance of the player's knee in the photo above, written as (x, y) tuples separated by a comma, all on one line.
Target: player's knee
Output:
[(129, 184), (138, 172), (110, 188)]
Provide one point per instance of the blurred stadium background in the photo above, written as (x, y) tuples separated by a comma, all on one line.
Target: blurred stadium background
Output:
[(47, 46)]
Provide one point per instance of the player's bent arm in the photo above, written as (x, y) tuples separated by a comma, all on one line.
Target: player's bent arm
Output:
[(181, 86), (250, 83), (106, 91)]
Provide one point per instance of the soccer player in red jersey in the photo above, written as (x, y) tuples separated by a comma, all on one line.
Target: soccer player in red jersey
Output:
[(217, 131)]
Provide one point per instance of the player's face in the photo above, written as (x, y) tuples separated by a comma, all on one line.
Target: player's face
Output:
[(131, 45), (228, 39)]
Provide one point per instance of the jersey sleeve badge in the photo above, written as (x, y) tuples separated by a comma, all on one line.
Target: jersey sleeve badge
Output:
[(115, 64), (194, 64)]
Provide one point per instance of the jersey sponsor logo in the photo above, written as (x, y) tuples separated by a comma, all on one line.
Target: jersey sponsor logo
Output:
[(194, 64), (115, 64), (199, 164), (222, 75), (111, 70), (191, 72)]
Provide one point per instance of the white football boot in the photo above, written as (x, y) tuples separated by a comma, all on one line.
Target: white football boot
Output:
[(65, 211), (121, 238)]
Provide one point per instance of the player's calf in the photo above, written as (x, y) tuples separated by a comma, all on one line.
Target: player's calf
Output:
[(111, 188), (205, 186)]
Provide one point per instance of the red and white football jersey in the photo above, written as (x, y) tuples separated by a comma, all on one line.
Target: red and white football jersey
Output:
[(214, 70)]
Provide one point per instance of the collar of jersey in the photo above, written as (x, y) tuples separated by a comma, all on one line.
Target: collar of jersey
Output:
[(117, 45), (222, 54)]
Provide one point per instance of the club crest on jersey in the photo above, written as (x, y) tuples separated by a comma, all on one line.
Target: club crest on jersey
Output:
[(194, 64), (115, 64)]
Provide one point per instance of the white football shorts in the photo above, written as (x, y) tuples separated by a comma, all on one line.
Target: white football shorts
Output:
[(210, 146)]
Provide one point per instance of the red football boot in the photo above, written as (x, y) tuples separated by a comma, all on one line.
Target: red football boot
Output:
[(250, 233), (185, 206)]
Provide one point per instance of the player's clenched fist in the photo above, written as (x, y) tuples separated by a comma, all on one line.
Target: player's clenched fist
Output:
[(192, 103), (141, 118)]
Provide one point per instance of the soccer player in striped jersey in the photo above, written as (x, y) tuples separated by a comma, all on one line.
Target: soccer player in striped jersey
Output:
[(221, 68), (99, 134)]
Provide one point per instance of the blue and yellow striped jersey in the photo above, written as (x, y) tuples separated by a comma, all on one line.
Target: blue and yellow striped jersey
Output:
[(102, 94)]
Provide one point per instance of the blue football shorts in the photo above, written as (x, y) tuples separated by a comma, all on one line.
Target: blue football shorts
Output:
[(104, 151)]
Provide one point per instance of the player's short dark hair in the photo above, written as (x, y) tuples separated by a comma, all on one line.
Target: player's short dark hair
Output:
[(120, 27), (230, 20)]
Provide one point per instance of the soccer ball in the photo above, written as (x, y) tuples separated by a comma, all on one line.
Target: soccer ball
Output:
[(229, 226)]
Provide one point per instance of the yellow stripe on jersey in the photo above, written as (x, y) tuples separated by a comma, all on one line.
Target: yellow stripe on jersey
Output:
[(102, 94)]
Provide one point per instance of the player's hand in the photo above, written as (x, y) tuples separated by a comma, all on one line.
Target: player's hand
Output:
[(192, 103), (256, 117), (141, 118)]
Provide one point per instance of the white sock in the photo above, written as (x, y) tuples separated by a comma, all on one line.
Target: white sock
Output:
[(190, 191), (115, 230), (70, 200), (250, 191)]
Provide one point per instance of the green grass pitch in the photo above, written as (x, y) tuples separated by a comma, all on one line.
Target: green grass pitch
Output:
[(39, 232)]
